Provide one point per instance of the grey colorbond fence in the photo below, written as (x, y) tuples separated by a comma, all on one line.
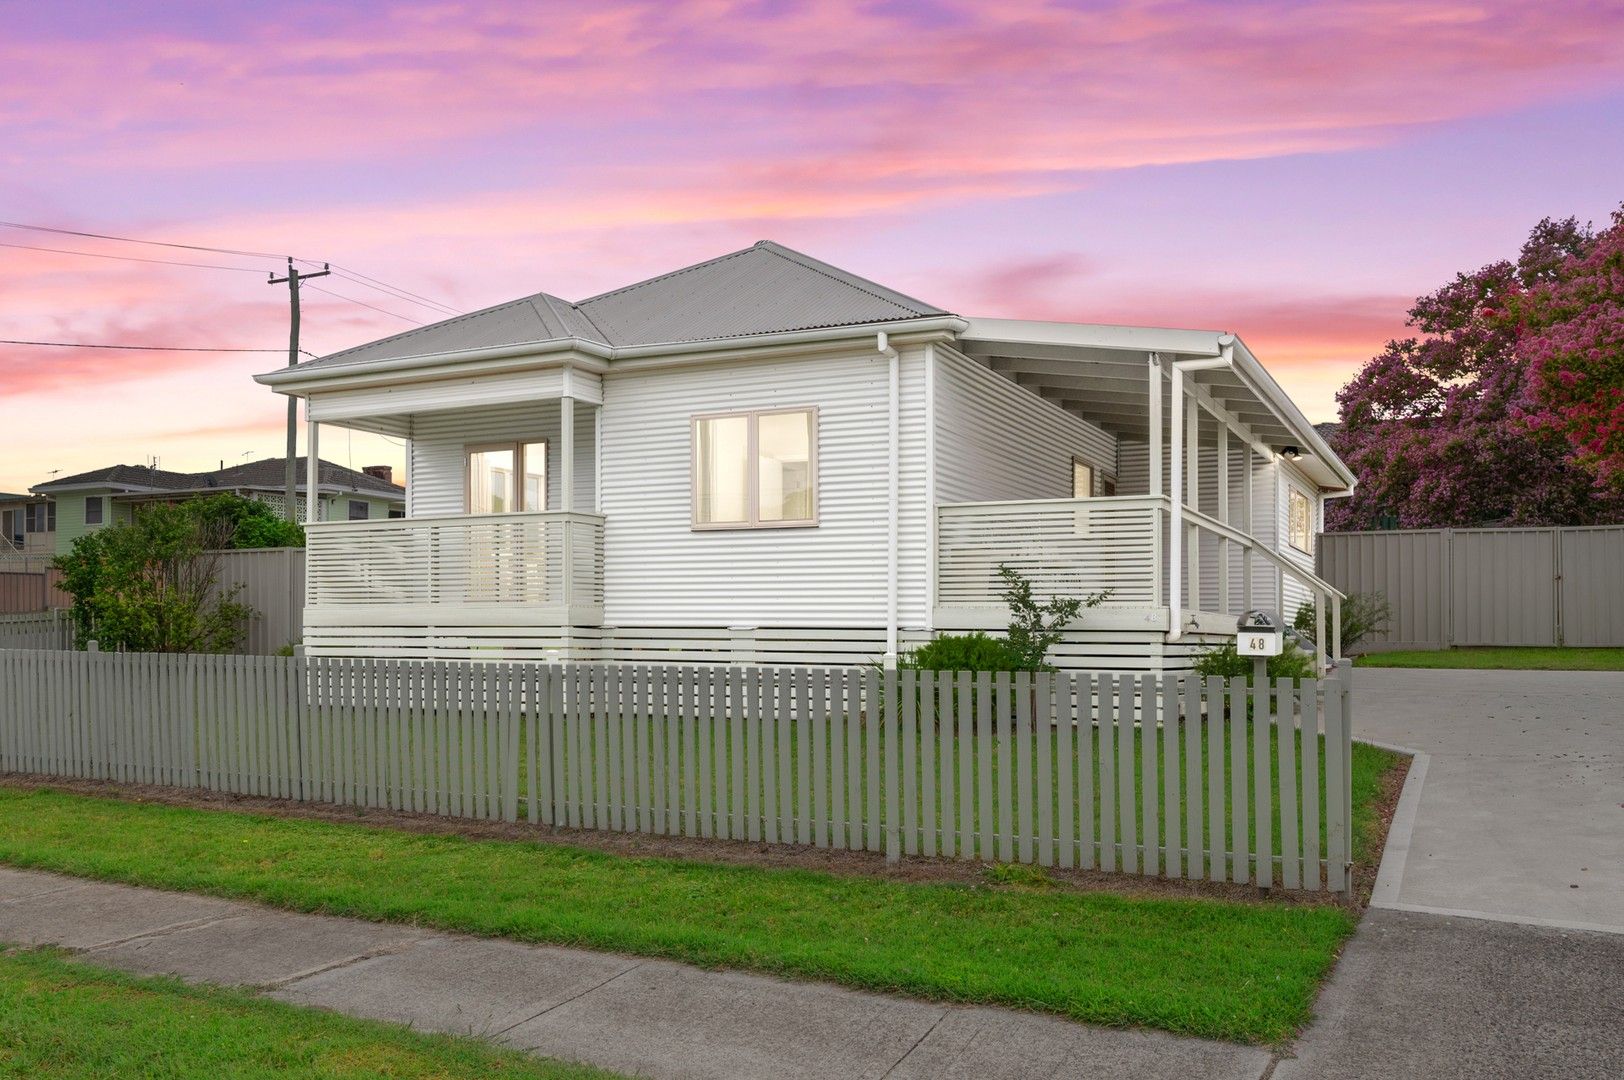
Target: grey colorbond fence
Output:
[(273, 584), (1132, 773), (36, 630), (1486, 586)]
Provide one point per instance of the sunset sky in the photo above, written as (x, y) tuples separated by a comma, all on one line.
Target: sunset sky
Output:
[(1295, 173)]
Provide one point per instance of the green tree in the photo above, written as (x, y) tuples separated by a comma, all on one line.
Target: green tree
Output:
[(247, 523), (153, 585)]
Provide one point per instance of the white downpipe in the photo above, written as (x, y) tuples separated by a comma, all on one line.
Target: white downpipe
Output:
[(1155, 471), (1175, 529), (894, 492), (931, 561)]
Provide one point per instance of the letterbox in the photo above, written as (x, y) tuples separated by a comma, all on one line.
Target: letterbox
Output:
[(1258, 633)]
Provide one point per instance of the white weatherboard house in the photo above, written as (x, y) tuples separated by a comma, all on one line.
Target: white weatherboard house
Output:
[(763, 458)]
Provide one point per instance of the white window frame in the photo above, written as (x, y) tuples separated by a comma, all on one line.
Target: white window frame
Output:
[(517, 447), (1292, 492), (1093, 476), (752, 494), (365, 507)]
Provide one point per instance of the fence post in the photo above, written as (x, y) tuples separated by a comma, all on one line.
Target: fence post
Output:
[(1447, 588), (93, 646), (1344, 679), (1556, 584)]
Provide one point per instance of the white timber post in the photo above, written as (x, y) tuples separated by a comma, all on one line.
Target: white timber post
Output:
[(1154, 375), (312, 468), (566, 446), (1175, 531), (1223, 516), (597, 457), (1250, 457)]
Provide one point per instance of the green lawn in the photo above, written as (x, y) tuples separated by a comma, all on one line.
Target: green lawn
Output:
[(1515, 659), (63, 1019), (1244, 972)]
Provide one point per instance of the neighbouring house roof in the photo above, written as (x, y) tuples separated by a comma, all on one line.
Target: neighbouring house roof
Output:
[(6, 496), (764, 289), (265, 474)]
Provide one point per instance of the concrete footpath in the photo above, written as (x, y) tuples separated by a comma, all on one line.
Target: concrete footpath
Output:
[(1494, 945), (645, 1017)]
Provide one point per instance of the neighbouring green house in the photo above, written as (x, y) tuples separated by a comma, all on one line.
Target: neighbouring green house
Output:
[(113, 495), (27, 524)]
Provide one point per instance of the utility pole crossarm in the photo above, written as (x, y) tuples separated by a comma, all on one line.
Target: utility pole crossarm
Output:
[(290, 469)]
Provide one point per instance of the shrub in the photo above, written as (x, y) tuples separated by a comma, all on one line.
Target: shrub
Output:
[(962, 652), (246, 523), (1224, 661), (1363, 614), (1035, 627), (153, 585)]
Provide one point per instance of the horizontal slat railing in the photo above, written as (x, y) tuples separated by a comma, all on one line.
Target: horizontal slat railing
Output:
[(550, 559), (1161, 776), (1063, 546)]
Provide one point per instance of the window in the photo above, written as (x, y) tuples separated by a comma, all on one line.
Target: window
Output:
[(1082, 480), (507, 477), (397, 513), (39, 517), (360, 510), (93, 510), (1301, 510), (755, 470)]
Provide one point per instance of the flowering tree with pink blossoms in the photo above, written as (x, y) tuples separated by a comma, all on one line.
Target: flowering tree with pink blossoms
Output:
[(1449, 428), (1574, 348)]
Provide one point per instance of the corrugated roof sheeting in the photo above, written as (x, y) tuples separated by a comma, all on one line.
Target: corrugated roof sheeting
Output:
[(763, 289)]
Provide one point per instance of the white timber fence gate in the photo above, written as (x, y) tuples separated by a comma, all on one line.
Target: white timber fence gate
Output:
[(1157, 775)]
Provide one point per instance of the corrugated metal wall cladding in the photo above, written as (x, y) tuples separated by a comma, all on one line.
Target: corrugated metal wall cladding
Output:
[(1593, 586), (440, 440), (996, 441), (659, 570)]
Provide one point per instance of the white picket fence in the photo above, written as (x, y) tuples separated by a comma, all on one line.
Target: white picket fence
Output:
[(1181, 777)]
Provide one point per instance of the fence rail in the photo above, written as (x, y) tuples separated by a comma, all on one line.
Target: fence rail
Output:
[(1186, 777)]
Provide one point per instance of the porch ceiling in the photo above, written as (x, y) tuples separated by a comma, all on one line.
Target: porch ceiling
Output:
[(1101, 374)]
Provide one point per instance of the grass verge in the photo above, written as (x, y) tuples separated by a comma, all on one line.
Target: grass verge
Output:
[(62, 1019), (1244, 972), (1528, 658)]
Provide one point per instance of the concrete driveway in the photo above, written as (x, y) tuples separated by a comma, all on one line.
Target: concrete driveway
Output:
[(1520, 813), (1494, 946)]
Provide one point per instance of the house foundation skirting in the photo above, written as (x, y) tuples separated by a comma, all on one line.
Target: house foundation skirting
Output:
[(1078, 650)]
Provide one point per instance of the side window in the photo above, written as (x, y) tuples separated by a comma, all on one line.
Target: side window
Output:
[(360, 510), (1082, 479), (1301, 510), (507, 477), (755, 470), (93, 510)]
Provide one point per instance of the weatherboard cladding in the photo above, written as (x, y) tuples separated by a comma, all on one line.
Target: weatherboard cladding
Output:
[(763, 289)]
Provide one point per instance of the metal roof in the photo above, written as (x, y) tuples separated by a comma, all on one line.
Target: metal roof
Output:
[(266, 473), (763, 289)]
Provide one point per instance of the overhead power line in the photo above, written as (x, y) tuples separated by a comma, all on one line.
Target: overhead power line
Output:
[(364, 280), (138, 348), (133, 258), (363, 303)]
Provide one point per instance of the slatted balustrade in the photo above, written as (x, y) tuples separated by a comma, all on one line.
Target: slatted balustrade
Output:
[(549, 560), (1177, 777)]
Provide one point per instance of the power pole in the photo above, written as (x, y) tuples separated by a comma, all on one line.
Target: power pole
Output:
[(290, 475)]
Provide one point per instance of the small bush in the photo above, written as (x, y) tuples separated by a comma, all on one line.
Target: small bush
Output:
[(1034, 627), (963, 652), (1018, 875), (1225, 662), (1363, 614)]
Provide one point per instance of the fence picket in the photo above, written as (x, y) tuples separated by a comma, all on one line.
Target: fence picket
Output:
[(1240, 861), (947, 776), (1286, 740), (1043, 736), (1108, 707), (1308, 748), (1149, 786), (1336, 825), (1214, 767), (1262, 784)]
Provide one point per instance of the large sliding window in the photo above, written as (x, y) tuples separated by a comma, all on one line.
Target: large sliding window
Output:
[(755, 470), (505, 478)]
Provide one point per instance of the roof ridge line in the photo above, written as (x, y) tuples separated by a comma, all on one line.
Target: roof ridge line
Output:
[(661, 277), (845, 277)]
